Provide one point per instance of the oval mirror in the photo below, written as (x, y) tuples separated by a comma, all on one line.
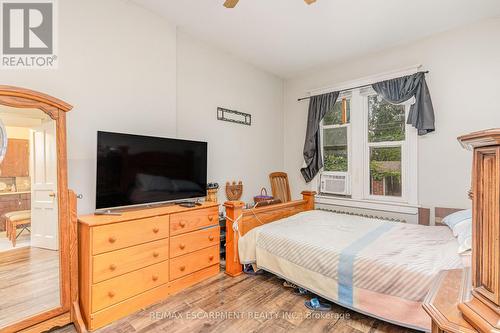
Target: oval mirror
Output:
[(3, 141)]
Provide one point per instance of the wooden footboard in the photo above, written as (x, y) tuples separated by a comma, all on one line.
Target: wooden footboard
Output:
[(248, 219)]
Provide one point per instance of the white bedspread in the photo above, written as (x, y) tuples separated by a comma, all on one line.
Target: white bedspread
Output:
[(348, 259)]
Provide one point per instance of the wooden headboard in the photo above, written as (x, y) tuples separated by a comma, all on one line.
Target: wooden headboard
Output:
[(424, 215), (247, 219), (440, 213)]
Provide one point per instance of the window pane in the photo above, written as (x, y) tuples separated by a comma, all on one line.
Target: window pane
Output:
[(335, 149), (334, 116), (386, 122), (385, 171)]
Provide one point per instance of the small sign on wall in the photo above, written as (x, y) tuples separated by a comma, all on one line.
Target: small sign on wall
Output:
[(234, 116)]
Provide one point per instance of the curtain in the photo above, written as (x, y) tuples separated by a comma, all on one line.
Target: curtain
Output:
[(401, 89), (318, 106)]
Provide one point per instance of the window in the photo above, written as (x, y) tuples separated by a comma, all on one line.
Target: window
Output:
[(386, 122), (386, 141), (368, 139), (385, 171), (335, 137)]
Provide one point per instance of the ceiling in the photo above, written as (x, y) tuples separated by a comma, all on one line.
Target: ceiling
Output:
[(286, 37), (15, 117)]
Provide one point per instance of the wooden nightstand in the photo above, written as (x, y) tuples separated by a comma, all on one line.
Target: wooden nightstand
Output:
[(449, 289)]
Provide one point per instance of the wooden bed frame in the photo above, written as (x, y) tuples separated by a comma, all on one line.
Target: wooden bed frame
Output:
[(251, 218), (424, 215), (440, 213)]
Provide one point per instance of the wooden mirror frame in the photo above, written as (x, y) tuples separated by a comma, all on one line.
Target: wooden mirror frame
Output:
[(68, 311)]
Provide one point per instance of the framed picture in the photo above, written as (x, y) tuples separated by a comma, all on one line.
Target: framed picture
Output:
[(234, 116)]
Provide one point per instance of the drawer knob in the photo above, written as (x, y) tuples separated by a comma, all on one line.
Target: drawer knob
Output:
[(112, 267), (182, 268), (182, 224), (112, 239), (182, 246), (211, 258), (111, 294), (156, 230), (156, 254), (211, 237), (210, 218), (154, 277)]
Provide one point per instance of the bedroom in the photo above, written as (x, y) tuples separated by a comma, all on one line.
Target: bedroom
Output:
[(162, 69)]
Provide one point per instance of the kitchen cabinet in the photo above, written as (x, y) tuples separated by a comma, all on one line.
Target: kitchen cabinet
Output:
[(16, 161)]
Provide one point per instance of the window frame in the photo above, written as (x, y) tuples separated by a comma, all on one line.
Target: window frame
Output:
[(322, 127), (358, 155), (408, 157)]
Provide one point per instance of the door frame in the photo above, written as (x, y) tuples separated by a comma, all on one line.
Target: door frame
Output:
[(68, 262)]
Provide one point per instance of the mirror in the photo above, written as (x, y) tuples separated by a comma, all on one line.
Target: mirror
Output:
[(30, 261), (3, 141)]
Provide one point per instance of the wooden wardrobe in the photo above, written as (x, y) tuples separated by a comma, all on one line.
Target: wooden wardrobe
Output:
[(469, 301)]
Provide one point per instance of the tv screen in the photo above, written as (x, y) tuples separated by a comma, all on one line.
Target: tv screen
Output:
[(135, 170)]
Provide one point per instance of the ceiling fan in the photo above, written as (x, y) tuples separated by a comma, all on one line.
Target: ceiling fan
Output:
[(233, 3)]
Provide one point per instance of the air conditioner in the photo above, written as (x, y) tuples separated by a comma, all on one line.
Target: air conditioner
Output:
[(335, 183)]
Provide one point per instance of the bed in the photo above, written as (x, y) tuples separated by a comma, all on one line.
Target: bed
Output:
[(376, 267)]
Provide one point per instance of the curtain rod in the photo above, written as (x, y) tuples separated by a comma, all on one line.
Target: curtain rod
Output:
[(363, 86)]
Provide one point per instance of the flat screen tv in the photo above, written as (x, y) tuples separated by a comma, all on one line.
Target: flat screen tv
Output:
[(138, 170)]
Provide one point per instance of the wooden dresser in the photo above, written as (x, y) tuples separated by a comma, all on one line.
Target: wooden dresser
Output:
[(469, 301), (139, 258)]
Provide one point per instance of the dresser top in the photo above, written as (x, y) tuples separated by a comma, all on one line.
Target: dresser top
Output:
[(450, 288), (139, 213), (489, 137)]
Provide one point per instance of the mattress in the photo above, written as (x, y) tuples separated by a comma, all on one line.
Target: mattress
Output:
[(380, 268)]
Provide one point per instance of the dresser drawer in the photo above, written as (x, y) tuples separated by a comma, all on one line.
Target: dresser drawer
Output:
[(124, 234), (193, 262), (193, 220), (111, 264), (117, 289), (194, 241)]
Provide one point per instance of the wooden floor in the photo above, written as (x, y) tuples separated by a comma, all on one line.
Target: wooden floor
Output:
[(23, 240), (29, 283), (261, 303)]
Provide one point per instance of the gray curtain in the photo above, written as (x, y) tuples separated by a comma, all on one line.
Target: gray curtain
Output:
[(318, 106), (401, 89)]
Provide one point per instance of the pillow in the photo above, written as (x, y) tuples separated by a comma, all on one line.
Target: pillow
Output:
[(464, 236), (462, 227), (453, 219)]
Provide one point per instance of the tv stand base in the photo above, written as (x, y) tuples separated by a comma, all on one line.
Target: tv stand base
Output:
[(108, 212)]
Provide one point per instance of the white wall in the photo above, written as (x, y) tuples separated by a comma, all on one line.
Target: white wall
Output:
[(117, 67), (14, 132), (208, 78), (464, 76), (125, 69)]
